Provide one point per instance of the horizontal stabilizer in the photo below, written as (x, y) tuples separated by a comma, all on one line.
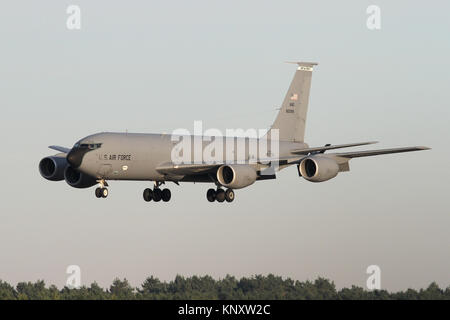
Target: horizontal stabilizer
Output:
[(303, 63), (60, 149), (369, 153), (324, 148)]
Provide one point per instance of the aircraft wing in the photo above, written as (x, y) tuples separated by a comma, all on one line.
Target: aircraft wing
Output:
[(368, 153), (60, 149), (172, 169), (330, 147), (186, 169)]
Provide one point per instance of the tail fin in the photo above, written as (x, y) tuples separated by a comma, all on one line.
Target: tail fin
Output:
[(291, 118)]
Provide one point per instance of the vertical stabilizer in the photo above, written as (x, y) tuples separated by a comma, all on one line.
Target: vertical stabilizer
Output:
[(291, 118)]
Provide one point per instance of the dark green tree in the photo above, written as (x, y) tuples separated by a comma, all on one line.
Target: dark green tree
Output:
[(121, 290), (205, 287), (153, 289), (7, 291)]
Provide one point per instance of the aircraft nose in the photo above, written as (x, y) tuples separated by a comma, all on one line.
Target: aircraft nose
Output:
[(75, 157)]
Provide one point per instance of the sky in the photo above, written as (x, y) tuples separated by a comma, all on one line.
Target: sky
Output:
[(155, 66)]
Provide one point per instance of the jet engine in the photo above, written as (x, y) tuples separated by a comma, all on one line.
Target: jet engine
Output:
[(52, 168), (318, 168), (76, 179), (236, 176)]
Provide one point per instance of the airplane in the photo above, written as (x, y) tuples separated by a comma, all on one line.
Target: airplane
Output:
[(107, 156)]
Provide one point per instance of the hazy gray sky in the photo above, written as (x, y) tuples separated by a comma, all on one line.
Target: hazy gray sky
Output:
[(146, 66)]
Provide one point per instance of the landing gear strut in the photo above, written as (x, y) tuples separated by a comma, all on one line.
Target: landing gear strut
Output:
[(220, 195), (102, 191), (157, 194)]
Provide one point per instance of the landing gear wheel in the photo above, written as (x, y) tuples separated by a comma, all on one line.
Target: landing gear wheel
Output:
[(166, 195), (220, 195), (157, 194), (211, 195), (148, 194), (104, 192), (98, 192), (229, 195)]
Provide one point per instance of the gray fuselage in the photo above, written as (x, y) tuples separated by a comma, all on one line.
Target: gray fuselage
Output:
[(133, 156)]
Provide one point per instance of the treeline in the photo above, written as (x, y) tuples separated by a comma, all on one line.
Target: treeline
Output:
[(258, 287)]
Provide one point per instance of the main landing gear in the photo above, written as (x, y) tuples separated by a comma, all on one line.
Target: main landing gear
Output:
[(220, 195), (157, 194), (102, 191)]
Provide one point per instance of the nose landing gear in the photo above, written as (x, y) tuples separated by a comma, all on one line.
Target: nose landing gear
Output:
[(102, 191)]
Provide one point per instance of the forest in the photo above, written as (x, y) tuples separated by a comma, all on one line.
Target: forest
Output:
[(257, 287)]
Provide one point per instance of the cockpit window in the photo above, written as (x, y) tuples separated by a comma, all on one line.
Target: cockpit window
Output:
[(94, 146), (91, 146)]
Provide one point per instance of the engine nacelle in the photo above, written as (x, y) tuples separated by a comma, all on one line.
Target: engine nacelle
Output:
[(318, 168), (52, 168), (76, 179), (236, 176)]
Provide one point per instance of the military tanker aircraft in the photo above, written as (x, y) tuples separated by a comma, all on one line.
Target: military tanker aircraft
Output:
[(106, 156)]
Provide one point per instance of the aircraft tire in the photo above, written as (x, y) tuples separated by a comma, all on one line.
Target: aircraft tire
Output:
[(166, 195), (98, 192), (104, 192), (220, 195), (211, 195), (229, 195), (148, 195), (157, 194)]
